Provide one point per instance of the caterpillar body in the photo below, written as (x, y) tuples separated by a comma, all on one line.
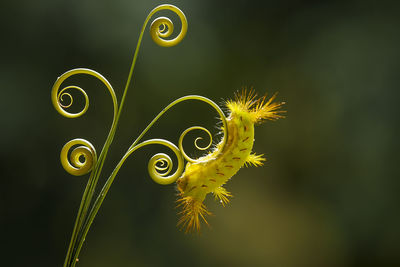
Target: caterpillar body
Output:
[(209, 173)]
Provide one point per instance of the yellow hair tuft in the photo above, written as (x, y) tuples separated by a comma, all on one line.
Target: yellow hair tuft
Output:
[(222, 195), (267, 109), (192, 211), (258, 109), (255, 160)]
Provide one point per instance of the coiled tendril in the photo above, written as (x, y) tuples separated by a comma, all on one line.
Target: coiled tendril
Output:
[(57, 95), (160, 165), (195, 142), (162, 27), (82, 158)]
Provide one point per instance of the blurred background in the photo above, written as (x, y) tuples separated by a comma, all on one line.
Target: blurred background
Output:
[(327, 196)]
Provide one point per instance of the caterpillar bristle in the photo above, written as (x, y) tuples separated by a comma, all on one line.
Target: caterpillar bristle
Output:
[(255, 160), (222, 195), (267, 109), (246, 98), (192, 211), (258, 109)]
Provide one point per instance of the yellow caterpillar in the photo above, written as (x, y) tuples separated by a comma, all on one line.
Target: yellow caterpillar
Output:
[(209, 173)]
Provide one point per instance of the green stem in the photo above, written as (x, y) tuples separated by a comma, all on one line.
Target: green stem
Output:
[(80, 229), (86, 200), (91, 186), (77, 224)]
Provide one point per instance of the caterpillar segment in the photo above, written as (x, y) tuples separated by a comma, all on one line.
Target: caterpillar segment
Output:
[(211, 172)]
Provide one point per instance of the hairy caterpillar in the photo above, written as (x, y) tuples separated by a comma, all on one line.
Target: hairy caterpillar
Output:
[(209, 173)]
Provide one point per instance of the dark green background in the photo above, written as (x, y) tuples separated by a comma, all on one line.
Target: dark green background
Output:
[(328, 195)]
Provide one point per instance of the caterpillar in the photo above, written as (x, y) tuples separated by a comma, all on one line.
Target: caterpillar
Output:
[(210, 172)]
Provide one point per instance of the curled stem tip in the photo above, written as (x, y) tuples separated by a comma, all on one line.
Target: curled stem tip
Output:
[(58, 96), (82, 158), (162, 27), (195, 142)]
